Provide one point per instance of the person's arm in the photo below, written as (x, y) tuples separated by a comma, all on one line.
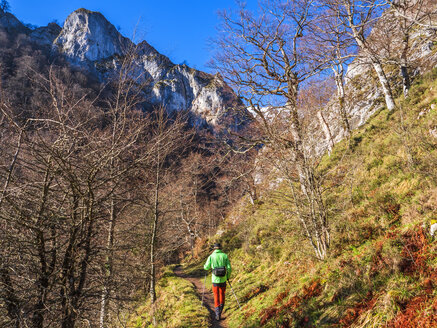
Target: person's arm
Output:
[(207, 265)]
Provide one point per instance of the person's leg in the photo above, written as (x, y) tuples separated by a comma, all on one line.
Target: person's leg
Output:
[(216, 292), (222, 292)]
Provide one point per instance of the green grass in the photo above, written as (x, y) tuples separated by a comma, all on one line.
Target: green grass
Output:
[(177, 305), (381, 189)]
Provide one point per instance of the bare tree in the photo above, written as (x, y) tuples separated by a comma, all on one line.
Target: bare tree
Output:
[(7, 290), (336, 48), (358, 17), (65, 175), (47, 190), (4, 5), (266, 58), (128, 150), (421, 12), (169, 138), (403, 17)]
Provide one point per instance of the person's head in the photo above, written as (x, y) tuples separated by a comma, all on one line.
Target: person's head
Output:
[(217, 246)]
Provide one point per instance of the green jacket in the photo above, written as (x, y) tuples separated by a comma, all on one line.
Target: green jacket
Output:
[(216, 260)]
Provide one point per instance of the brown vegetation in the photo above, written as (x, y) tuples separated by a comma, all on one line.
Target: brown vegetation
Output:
[(360, 307), (291, 309), (95, 191)]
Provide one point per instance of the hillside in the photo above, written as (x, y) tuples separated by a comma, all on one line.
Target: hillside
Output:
[(381, 188), (310, 154)]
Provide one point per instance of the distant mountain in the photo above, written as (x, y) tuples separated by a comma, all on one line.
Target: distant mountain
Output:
[(88, 40)]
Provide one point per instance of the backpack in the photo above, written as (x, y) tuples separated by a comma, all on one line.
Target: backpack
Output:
[(219, 272)]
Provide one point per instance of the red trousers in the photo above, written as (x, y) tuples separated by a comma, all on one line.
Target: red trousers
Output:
[(219, 294)]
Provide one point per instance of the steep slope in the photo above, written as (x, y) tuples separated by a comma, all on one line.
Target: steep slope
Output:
[(381, 192), (382, 196), (364, 96)]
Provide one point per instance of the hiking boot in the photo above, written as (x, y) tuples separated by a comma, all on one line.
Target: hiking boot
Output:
[(221, 308), (217, 313)]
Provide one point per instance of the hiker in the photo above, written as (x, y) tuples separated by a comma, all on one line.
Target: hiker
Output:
[(221, 271)]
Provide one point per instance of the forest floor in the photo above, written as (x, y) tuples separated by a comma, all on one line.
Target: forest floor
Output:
[(208, 297)]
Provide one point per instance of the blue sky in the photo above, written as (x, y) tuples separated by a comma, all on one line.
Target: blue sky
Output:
[(179, 29)]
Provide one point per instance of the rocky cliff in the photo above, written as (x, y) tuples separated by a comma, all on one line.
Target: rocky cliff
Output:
[(88, 40), (88, 36)]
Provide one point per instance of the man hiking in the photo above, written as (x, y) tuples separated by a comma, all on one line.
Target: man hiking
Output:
[(221, 271)]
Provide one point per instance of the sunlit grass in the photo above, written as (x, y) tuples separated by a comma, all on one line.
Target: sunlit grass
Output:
[(381, 191)]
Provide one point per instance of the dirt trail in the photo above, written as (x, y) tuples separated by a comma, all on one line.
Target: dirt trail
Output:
[(208, 297)]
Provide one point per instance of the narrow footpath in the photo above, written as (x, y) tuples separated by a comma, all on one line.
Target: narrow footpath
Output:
[(208, 297)]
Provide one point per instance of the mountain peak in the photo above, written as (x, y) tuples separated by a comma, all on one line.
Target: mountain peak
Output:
[(88, 35), (88, 39), (86, 11)]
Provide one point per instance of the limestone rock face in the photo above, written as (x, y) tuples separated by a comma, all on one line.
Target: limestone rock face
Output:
[(152, 62), (87, 35), (88, 39), (181, 87)]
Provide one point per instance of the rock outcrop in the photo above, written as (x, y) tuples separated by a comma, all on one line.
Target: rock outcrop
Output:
[(46, 35), (88, 36), (89, 40)]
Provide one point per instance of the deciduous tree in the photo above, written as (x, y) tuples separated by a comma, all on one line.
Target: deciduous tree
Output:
[(264, 55)]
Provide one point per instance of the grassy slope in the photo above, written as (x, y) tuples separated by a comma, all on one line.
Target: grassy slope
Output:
[(177, 305), (382, 269)]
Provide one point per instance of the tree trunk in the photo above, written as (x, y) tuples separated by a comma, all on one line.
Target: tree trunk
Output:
[(43, 281), (12, 302), (153, 240), (72, 285), (404, 65), (359, 38), (154, 236), (109, 265), (312, 207), (8, 292), (106, 291), (326, 130), (152, 258), (386, 88), (342, 99)]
